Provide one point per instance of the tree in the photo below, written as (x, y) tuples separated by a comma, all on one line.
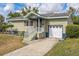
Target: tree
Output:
[(1, 18), (71, 11), (3, 25), (35, 10), (29, 9), (12, 15), (75, 19), (23, 12)]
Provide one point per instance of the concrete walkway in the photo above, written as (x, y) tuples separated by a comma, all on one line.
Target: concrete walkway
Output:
[(38, 48)]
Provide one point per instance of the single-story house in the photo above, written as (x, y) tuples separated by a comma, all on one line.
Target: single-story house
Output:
[(48, 25)]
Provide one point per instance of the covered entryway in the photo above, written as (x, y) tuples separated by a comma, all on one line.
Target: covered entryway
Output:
[(55, 31)]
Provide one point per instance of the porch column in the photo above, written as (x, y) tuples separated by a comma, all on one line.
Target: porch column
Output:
[(39, 24), (28, 26)]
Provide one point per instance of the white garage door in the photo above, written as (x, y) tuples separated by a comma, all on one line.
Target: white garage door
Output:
[(55, 31)]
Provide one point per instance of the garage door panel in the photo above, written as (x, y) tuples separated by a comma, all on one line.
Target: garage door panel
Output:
[(55, 31)]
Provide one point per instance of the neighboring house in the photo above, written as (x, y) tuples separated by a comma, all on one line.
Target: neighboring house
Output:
[(48, 25)]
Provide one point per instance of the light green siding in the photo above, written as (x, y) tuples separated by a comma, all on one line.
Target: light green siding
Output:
[(56, 22), (19, 25)]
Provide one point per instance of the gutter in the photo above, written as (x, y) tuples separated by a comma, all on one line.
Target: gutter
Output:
[(17, 19)]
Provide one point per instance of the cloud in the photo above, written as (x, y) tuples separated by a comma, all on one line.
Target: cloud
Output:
[(1, 11), (6, 9), (32, 4), (9, 7), (74, 5), (55, 7), (43, 7), (47, 7)]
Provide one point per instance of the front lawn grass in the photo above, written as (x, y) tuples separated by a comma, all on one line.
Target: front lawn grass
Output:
[(9, 43), (68, 47)]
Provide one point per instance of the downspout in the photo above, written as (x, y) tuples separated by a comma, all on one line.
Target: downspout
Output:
[(70, 19), (38, 24)]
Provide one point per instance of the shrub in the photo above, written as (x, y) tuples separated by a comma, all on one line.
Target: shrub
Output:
[(21, 33), (75, 19), (72, 31)]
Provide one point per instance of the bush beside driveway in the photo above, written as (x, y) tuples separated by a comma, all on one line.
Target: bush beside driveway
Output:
[(72, 31)]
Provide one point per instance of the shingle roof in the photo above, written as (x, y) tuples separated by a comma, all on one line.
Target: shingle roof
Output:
[(54, 14), (46, 16), (21, 17), (17, 19)]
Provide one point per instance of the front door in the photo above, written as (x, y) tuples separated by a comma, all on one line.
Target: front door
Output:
[(40, 25)]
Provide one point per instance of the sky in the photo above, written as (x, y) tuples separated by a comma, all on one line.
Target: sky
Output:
[(5, 8)]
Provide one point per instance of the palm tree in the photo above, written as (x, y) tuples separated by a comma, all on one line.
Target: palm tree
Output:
[(29, 9), (3, 25), (71, 10), (35, 10), (23, 12), (1, 18)]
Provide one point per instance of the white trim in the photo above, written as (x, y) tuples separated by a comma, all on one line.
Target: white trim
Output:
[(56, 17), (16, 19)]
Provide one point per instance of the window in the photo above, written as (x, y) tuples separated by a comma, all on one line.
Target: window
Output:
[(28, 23), (31, 23), (25, 23)]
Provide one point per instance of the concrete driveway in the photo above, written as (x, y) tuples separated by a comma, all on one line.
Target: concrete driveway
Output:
[(37, 48)]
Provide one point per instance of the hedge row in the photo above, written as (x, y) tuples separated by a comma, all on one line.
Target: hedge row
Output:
[(72, 31)]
